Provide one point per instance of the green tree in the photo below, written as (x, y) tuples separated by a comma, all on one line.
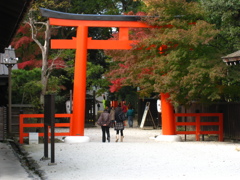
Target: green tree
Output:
[(27, 83), (40, 33), (175, 57), (225, 14), (25, 86), (112, 7)]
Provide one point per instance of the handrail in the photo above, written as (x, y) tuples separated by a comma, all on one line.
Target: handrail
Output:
[(22, 125), (198, 124)]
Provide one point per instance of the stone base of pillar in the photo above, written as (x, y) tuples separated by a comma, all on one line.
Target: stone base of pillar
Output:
[(168, 138), (76, 139)]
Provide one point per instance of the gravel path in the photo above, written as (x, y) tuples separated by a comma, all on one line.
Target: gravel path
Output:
[(139, 157)]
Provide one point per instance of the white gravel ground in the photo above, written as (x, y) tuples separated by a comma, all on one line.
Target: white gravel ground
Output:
[(139, 157)]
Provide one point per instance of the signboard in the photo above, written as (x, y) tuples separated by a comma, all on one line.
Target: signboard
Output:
[(145, 114), (33, 138)]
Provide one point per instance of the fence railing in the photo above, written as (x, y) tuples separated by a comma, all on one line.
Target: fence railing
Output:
[(198, 124), (23, 125)]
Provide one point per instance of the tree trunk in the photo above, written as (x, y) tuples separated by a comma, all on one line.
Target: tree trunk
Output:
[(45, 71), (44, 49)]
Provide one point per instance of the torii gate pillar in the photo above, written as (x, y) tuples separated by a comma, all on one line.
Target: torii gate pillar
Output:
[(79, 89), (82, 43), (167, 115)]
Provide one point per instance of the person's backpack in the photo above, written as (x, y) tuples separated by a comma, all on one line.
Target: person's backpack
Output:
[(121, 116)]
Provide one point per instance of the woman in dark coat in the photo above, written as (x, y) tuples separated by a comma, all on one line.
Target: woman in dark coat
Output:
[(104, 121), (119, 126)]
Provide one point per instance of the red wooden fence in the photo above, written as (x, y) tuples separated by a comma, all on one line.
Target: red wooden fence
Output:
[(23, 125), (198, 124)]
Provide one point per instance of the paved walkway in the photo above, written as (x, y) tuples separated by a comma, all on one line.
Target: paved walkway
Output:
[(10, 167)]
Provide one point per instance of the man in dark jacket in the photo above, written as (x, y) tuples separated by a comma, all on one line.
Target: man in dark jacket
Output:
[(104, 121)]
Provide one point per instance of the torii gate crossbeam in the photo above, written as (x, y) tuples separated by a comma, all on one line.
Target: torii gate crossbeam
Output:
[(82, 43)]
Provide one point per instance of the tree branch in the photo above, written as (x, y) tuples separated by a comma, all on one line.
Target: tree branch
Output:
[(34, 33)]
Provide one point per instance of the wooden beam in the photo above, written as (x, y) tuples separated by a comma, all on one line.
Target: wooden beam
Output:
[(92, 44)]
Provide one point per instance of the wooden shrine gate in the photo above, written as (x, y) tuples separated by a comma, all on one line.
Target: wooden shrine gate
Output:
[(82, 43)]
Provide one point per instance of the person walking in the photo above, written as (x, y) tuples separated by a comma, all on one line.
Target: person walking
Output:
[(112, 116), (104, 121), (98, 106), (124, 107), (130, 116), (119, 126)]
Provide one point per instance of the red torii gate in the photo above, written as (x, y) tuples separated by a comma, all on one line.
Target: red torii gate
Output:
[(82, 43)]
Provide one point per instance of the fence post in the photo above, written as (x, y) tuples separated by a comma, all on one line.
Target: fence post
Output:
[(71, 124), (21, 130), (198, 127), (221, 127)]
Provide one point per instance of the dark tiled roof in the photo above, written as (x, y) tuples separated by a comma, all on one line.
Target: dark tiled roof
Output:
[(232, 57), (11, 15), (62, 15)]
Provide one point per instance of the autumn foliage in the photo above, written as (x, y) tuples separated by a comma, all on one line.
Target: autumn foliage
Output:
[(58, 63), (28, 52), (174, 57), (25, 48)]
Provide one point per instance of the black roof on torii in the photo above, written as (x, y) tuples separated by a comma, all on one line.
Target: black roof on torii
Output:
[(61, 15)]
